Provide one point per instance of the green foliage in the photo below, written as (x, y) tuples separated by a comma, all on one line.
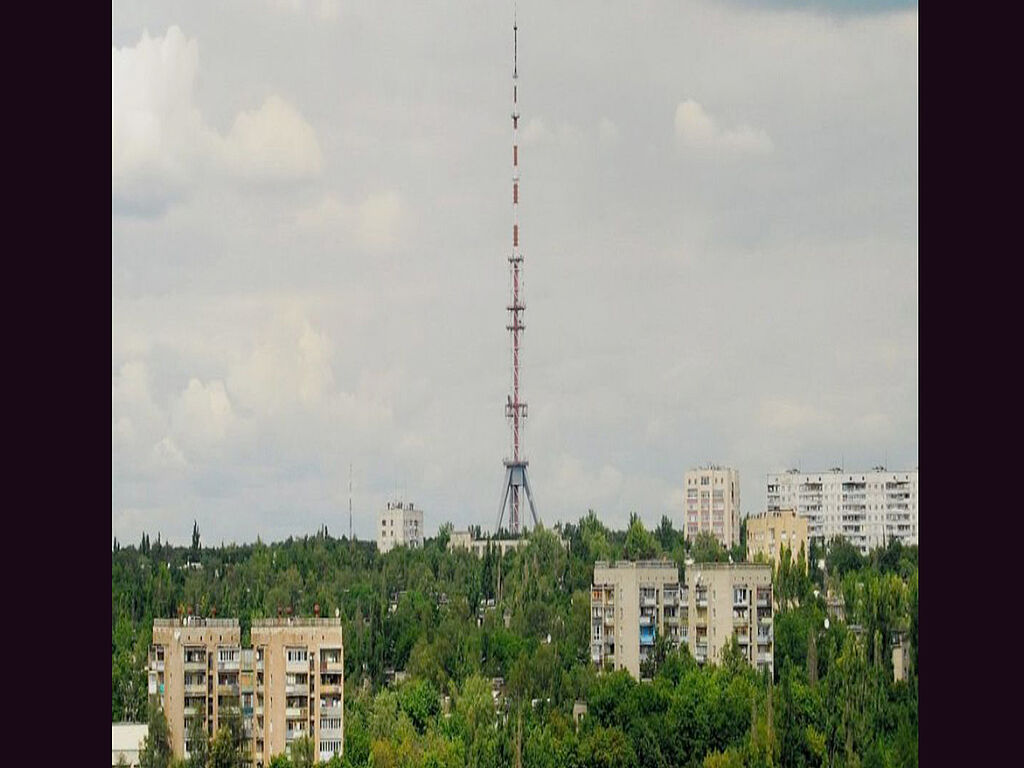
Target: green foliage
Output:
[(155, 751), (707, 549), (842, 557), (198, 744), (640, 544), (453, 622)]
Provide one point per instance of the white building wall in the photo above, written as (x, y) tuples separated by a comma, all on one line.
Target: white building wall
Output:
[(867, 508), (399, 524)]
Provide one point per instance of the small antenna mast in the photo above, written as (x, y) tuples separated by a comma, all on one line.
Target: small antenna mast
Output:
[(350, 501)]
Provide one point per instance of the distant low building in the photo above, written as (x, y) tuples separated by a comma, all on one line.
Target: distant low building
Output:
[(466, 540), (126, 742), (399, 524), (632, 603), (769, 532), (900, 659)]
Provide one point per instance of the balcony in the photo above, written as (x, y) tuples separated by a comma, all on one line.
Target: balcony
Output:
[(297, 689), (228, 689), (228, 666), (328, 688), (648, 601), (157, 666), (195, 664), (646, 621), (764, 658), (702, 600), (296, 713), (764, 639), (195, 689), (743, 639), (740, 618), (191, 711), (330, 733), (764, 601), (301, 665), (335, 666)]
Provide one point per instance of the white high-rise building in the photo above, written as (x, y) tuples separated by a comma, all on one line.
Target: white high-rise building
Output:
[(712, 503), (399, 524), (868, 509)]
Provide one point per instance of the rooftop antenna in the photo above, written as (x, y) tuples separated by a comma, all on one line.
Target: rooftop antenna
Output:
[(516, 480), (350, 501)]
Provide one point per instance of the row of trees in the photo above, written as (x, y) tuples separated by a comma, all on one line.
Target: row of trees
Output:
[(454, 622)]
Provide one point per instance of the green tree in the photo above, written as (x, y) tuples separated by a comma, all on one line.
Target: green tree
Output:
[(640, 544), (198, 744), (155, 751), (842, 557), (302, 754), (706, 548)]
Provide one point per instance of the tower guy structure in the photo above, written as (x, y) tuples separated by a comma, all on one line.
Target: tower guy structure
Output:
[(517, 482)]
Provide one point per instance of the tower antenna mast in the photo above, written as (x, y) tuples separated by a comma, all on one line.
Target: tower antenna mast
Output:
[(516, 481)]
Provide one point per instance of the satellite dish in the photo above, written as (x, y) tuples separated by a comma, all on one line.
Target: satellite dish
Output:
[(826, 622)]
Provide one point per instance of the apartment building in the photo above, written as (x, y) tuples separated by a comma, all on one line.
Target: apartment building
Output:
[(869, 509), (299, 685), (289, 683), (631, 603), (732, 599), (189, 678), (398, 524), (769, 532), (627, 608), (712, 503)]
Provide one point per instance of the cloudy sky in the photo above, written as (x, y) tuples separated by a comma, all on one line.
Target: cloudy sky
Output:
[(311, 218)]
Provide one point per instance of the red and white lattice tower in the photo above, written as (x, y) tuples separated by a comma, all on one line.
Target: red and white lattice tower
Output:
[(516, 481)]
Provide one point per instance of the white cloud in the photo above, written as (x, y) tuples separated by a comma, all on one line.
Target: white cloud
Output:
[(786, 415), (607, 131), (202, 414), (272, 143), (374, 223), (321, 9), (161, 145), (696, 129), (535, 131)]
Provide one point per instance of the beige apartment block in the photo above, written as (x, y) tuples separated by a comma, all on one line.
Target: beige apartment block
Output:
[(627, 610), (290, 683), (729, 599), (299, 685), (631, 603), (194, 673), (712, 504), (769, 532)]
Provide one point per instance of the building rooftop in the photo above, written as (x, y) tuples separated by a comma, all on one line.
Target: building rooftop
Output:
[(196, 621), (635, 564), (298, 621)]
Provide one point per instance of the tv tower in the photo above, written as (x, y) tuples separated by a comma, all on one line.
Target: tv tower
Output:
[(516, 480)]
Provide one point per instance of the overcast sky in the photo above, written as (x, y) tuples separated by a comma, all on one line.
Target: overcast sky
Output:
[(311, 219)]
